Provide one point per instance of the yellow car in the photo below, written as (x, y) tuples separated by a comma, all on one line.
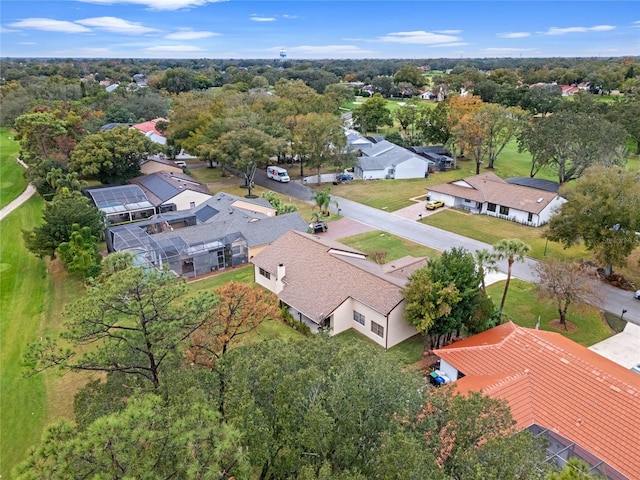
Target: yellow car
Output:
[(433, 204)]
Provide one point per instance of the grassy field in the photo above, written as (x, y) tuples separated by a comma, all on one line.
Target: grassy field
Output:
[(395, 247), (12, 181), (491, 230), (523, 307), (24, 286)]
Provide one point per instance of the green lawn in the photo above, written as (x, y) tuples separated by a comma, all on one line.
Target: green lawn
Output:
[(395, 247), (491, 230), (12, 181), (24, 286), (523, 307)]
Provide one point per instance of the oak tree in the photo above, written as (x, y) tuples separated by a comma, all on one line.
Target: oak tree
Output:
[(602, 212)]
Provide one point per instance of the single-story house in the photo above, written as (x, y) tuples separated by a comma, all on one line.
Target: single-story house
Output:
[(584, 404), (491, 195), (332, 287), (150, 131), (223, 232), (156, 163), (170, 191), (121, 203), (385, 160), (111, 126)]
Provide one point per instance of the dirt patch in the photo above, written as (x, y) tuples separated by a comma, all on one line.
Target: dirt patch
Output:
[(567, 327)]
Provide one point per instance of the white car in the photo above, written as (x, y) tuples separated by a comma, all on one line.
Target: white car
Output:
[(181, 164), (637, 294)]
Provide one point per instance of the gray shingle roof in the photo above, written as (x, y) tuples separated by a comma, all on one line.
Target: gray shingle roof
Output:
[(488, 187), (320, 275), (163, 186)]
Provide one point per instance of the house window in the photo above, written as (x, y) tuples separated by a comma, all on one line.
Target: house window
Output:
[(265, 274), (530, 217), (377, 329), (491, 207), (504, 210), (358, 317)]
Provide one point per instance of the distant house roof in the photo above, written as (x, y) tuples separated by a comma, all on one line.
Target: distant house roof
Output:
[(111, 126), (112, 88), (321, 274), (162, 186), (385, 154), (149, 129), (488, 187), (555, 383), (158, 159), (537, 183)]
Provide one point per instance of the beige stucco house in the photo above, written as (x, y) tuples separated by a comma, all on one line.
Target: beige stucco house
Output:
[(171, 191), (332, 287), (155, 163), (489, 194)]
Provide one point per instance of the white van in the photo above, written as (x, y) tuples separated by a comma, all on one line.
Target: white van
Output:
[(277, 173)]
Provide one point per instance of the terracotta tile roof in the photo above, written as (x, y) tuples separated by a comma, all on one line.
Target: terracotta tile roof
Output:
[(321, 274), (556, 383), (488, 187), (150, 126)]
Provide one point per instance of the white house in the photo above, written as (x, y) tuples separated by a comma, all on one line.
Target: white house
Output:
[(491, 195), (384, 160), (170, 191), (332, 287)]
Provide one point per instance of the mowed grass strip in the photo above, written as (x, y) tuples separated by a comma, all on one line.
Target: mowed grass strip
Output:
[(523, 308), (396, 247), (12, 181), (491, 230), (23, 288)]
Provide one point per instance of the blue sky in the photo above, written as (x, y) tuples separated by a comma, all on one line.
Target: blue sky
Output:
[(310, 29)]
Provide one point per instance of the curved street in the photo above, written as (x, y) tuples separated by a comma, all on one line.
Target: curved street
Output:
[(614, 299)]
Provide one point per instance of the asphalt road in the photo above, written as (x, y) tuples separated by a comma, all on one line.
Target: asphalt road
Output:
[(614, 300)]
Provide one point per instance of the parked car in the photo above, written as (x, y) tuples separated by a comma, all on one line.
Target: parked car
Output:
[(433, 204), (181, 163), (318, 227), (343, 177), (637, 294)]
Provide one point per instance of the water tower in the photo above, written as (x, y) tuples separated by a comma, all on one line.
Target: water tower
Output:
[(283, 55)]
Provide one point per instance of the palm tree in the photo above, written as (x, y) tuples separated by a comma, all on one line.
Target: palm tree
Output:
[(322, 199), (511, 250), (486, 262)]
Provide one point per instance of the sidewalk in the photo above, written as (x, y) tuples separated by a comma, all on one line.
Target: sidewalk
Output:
[(24, 196)]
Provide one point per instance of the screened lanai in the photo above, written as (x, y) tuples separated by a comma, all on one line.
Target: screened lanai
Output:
[(172, 251), (122, 203)]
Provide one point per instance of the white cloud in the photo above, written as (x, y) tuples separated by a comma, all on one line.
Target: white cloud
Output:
[(27, 43), (564, 31), (449, 32), (173, 48), (117, 25), (188, 34), (257, 18), (419, 37), (157, 4), (50, 25), (514, 34), (289, 17), (327, 51)]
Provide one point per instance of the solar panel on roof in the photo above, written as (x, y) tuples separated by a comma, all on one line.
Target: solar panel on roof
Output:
[(206, 213)]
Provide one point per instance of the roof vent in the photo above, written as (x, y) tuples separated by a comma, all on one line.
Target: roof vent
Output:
[(540, 200)]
